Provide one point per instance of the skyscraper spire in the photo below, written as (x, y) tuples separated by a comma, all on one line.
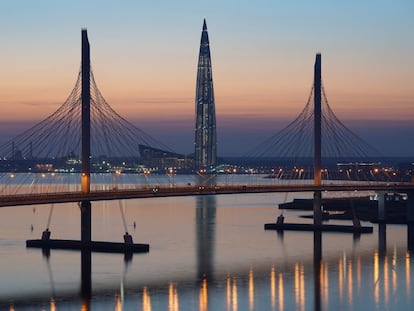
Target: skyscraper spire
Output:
[(205, 127)]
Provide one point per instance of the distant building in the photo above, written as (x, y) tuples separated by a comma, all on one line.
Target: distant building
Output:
[(163, 160), (205, 127)]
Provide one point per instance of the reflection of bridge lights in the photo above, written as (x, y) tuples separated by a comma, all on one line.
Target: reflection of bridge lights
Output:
[(281, 292), (340, 279), (231, 294), (52, 304), (203, 296), (251, 290), (386, 281), (359, 273), (273, 287), (407, 274), (350, 282), (118, 303), (234, 294), (85, 305), (325, 284), (228, 292), (376, 278), (172, 298), (146, 300), (299, 286)]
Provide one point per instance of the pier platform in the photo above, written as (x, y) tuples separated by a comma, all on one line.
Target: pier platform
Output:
[(94, 246), (312, 227)]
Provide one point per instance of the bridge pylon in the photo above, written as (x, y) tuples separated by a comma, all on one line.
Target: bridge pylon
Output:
[(86, 206), (317, 225), (317, 133), (86, 243)]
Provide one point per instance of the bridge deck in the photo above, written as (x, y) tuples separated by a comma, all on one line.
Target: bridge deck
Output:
[(63, 197)]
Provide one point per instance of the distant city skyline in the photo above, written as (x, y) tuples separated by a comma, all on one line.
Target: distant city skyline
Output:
[(144, 58)]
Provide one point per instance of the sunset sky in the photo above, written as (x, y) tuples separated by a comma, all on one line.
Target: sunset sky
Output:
[(144, 57)]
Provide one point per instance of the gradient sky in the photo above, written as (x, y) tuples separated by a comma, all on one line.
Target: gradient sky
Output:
[(144, 57)]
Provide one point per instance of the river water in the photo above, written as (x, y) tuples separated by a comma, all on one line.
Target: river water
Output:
[(206, 253)]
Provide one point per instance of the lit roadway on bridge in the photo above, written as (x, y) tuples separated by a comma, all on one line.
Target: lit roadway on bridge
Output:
[(175, 191)]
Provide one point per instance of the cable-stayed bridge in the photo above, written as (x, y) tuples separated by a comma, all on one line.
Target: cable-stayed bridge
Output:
[(39, 159), (316, 144), (314, 153)]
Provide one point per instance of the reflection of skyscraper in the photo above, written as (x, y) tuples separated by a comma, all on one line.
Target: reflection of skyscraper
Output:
[(205, 129), (205, 234)]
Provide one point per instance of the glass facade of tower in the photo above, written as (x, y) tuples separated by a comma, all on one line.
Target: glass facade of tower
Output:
[(205, 128)]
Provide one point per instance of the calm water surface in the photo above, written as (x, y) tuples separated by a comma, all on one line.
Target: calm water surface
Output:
[(207, 253)]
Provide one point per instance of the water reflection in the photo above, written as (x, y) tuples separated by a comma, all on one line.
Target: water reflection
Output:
[(295, 276), (234, 296), (410, 236), (241, 290), (205, 235), (317, 263), (382, 239), (251, 290), (52, 304), (203, 299), (86, 279), (146, 300), (228, 293), (273, 288), (407, 273), (299, 286), (172, 298)]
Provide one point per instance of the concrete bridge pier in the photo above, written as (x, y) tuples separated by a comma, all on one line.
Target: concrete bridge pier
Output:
[(381, 206), (317, 208)]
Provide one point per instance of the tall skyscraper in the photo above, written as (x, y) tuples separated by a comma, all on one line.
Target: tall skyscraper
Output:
[(205, 128)]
